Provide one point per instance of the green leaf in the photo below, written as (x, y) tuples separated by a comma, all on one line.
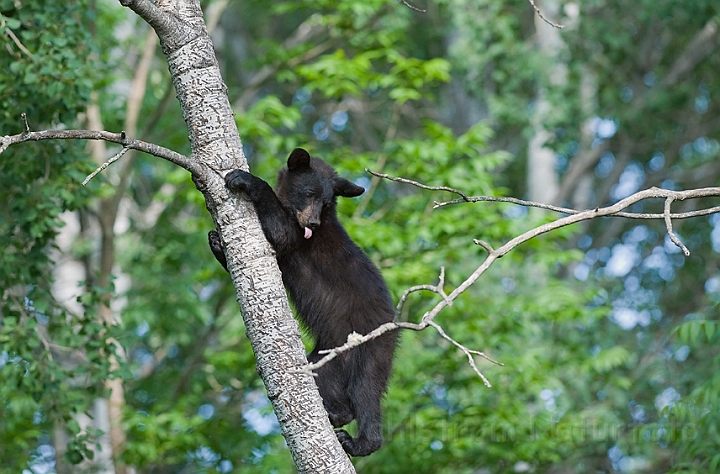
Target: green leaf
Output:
[(402, 95), (11, 23)]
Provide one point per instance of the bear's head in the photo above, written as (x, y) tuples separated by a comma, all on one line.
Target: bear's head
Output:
[(308, 187)]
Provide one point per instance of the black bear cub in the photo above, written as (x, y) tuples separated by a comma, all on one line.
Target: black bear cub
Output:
[(334, 286)]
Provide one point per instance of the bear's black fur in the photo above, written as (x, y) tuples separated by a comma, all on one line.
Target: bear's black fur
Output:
[(334, 286)]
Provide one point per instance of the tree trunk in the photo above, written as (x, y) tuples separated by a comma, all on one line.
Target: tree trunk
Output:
[(273, 332)]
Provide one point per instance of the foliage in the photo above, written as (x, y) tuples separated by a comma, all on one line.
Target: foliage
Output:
[(433, 97), (47, 75)]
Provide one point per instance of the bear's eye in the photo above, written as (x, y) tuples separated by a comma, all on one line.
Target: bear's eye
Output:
[(310, 194)]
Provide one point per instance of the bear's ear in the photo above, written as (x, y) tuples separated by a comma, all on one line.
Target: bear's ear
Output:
[(298, 160), (345, 188)]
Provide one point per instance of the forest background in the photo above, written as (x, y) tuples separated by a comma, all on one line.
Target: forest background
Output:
[(607, 332)]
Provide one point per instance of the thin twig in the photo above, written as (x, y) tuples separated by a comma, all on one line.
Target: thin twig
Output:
[(488, 248), (354, 339), (564, 210), (382, 159), (537, 10), (15, 39), (669, 226), (434, 288), (511, 200), (105, 165), (468, 352), (412, 7), (420, 185), (26, 127)]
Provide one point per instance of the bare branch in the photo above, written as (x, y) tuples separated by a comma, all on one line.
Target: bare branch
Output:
[(120, 138), (41, 333), (139, 83), (17, 42), (412, 7), (542, 17), (26, 127), (309, 30), (488, 248), (213, 13), (615, 209), (419, 185), (668, 224), (105, 165), (468, 352), (354, 339), (576, 216), (573, 217), (519, 202), (434, 288), (151, 13), (629, 215)]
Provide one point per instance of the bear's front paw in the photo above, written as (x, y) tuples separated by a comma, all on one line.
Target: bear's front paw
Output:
[(238, 180)]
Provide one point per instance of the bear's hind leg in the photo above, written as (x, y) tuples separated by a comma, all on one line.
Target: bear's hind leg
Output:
[(369, 438), (332, 383), (367, 386)]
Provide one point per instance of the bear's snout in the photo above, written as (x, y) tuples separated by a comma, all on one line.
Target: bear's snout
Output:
[(309, 217)]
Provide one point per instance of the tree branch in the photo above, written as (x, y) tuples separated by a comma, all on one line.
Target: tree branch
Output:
[(105, 165), (130, 143), (468, 352), (151, 13), (17, 42), (434, 288), (420, 185), (521, 202), (668, 225), (542, 17), (573, 217), (412, 7), (539, 205)]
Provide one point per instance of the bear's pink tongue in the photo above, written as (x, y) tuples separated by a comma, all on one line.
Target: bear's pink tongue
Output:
[(308, 232)]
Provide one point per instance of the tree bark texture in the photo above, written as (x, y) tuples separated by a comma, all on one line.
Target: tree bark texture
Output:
[(273, 332)]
